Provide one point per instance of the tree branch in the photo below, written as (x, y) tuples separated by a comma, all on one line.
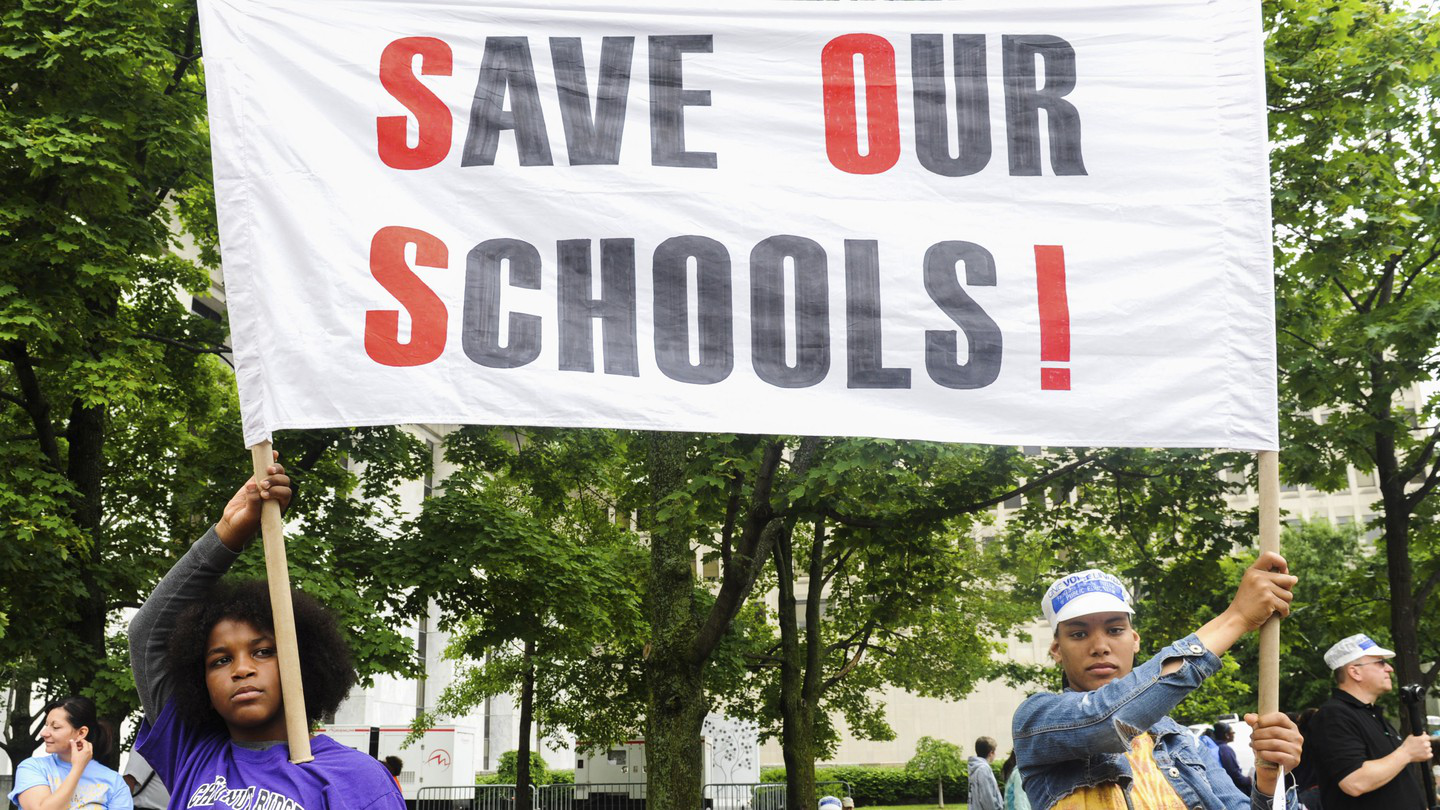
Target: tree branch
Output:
[(33, 400), (837, 564), (1422, 594), (854, 661), (218, 349), (1410, 470), (1302, 340), (1412, 500), (814, 599), (761, 530), (1413, 274), (732, 510), (930, 513), (188, 59)]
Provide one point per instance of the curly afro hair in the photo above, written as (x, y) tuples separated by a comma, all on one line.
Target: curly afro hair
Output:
[(326, 666)]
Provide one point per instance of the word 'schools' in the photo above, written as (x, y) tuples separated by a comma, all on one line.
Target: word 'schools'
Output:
[(1006, 222)]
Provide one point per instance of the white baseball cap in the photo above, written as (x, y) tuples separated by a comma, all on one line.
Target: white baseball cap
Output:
[(1083, 593), (1353, 648)]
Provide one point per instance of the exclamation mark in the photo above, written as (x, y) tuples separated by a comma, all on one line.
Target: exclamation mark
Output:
[(1054, 316)]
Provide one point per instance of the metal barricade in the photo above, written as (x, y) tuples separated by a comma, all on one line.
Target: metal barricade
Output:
[(745, 796), (761, 795), (466, 797), (608, 796)]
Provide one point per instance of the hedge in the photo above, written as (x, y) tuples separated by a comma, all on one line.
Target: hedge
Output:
[(878, 785)]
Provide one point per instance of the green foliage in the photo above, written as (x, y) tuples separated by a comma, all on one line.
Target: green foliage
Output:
[(873, 785), (899, 592), (1227, 691), (551, 777), (117, 411), (936, 759), (106, 381), (1353, 117), (1159, 520), (539, 771), (523, 546)]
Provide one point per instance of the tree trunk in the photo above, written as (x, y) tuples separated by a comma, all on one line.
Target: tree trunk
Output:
[(1399, 570), (675, 680), (797, 735), (523, 777), (85, 467), (940, 790), (20, 725)]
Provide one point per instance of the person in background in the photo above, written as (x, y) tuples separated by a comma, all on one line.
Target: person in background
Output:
[(146, 789), (1208, 744), (1362, 761), (984, 791), (1307, 783), (395, 765), (1015, 798), (67, 777), (1223, 737)]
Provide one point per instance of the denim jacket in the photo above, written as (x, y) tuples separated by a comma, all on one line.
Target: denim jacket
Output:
[(1079, 739)]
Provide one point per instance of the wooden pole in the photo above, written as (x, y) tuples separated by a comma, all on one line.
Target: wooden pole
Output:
[(277, 572), (1270, 541)]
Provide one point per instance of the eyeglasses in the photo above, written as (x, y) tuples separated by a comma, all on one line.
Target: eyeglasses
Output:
[(1381, 662)]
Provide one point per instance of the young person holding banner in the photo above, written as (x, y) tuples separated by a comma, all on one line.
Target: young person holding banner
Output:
[(204, 655), (1106, 742)]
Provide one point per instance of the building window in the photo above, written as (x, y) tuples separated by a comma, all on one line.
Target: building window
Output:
[(204, 310), (430, 471)]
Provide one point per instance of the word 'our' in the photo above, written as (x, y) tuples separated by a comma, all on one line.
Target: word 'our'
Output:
[(594, 125)]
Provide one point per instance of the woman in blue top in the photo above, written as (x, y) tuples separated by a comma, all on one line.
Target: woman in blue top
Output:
[(68, 777)]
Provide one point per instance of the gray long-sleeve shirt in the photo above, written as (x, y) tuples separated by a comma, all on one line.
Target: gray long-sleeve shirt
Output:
[(186, 583)]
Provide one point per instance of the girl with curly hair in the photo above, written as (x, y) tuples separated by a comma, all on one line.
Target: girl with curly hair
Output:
[(204, 655), (68, 777)]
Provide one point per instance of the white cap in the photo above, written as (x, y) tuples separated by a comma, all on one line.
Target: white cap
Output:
[(1354, 648), (830, 803), (1083, 593)]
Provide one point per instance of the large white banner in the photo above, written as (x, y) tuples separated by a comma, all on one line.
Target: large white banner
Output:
[(1000, 221)]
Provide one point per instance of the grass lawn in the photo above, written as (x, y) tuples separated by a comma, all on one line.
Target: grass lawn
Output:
[(948, 806)]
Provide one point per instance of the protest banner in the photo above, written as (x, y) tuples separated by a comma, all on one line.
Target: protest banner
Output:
[(1018, 223), (1021, 222)]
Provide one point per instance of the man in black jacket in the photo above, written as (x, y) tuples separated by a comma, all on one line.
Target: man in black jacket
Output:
[(1361, 760)]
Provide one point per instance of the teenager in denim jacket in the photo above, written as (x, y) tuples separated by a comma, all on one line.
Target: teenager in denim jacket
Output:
[(1106, 742)]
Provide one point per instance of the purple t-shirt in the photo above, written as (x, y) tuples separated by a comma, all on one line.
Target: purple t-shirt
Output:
[(209, 771)]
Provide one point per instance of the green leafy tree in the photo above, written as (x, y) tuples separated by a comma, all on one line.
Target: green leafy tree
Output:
[(1342, 591), (705, 491), (1352, 90), (100, 126), (937, 760), (1160, 521), (893, 586), (508, 771), (119, 431), (535, 577)]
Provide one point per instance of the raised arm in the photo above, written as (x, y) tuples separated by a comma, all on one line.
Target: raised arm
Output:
[(191, 579), (1052, 728)]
